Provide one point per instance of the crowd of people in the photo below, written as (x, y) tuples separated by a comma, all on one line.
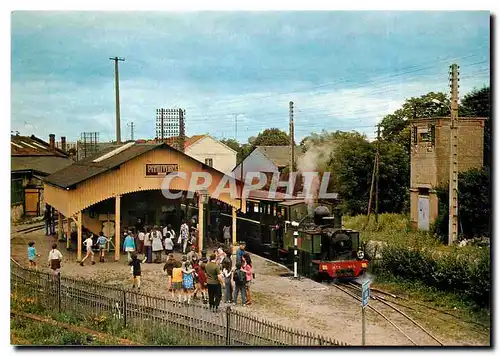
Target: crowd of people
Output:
[(220, 277)]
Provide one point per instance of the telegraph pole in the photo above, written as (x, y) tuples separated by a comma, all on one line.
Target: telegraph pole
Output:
[(162, 112), (377, 161), (453, 202), (132, 131), (374, 173), (292, 148), (182, 132), (117, 92)]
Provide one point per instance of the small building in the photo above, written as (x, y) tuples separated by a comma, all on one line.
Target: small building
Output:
[(265, 159), (32, 159), (430, 161), (210, 151), (115, 188)]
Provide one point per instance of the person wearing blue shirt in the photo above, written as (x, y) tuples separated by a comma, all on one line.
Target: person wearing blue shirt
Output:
[(32, 254), (240, 252), (129, 245), (101, 242)]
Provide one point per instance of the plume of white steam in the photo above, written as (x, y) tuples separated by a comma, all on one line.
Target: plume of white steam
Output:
[(316, 156)]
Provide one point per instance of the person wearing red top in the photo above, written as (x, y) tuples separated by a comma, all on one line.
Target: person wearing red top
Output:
[(247, 267), (200, 282)]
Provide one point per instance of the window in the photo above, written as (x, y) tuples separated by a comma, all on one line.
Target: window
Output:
[(16, 191), (209, 162), (414, 135)]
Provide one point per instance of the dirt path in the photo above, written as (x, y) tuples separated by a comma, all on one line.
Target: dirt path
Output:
[(302, 304)]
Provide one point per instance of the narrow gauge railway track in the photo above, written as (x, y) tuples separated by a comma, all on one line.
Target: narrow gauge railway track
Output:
[(353, 290), (381, 295)]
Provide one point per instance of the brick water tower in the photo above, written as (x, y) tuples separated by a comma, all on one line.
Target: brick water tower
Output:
[(430, 161)]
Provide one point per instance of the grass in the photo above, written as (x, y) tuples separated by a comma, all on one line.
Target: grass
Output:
[(391, 228), (395, 229), (30, 332), (462, 329)]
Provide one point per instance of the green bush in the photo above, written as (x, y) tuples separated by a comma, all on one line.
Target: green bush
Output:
[(474, 204), (462, 271)]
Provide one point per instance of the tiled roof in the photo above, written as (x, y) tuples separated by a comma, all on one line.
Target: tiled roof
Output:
[(188, 140), (279, 155), (32, 146), (43, 164)]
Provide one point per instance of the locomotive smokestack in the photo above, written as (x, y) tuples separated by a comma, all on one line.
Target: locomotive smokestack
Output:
[(337, 218)]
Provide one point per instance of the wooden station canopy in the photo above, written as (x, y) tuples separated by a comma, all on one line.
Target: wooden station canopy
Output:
[(124, 169)]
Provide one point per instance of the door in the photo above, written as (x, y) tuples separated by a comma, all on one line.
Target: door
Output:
[(423, 213), (32, 202)]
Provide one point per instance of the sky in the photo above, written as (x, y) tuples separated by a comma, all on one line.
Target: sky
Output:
[(343, 70)]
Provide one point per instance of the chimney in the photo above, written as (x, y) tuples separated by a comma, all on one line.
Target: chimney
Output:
[(63, 143), (52, 142)]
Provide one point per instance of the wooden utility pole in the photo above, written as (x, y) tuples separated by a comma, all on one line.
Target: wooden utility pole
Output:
[(371, 192), (374, 173), (292, 148), (377, 161), (453, 202), (117, 93), (182, 132)]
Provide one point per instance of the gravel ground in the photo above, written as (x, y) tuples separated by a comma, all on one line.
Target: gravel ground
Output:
[(302, 304)]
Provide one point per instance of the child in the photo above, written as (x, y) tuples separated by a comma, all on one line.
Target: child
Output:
[(240, 279), (129, 246), (89, 242), (169, 243), (168, 267), (247, 267), (55, 258), (200, 282), (177, 280), (101, 242), (32, 254), (227, 273), (136, 271), (187, 281)]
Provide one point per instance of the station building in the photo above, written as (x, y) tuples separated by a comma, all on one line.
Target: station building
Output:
[(111, 190)]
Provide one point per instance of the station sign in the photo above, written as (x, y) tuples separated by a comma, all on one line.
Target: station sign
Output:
[(160, 170), (365, 293)]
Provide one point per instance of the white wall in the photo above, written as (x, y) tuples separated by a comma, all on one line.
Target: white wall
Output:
[(255, 162), (224, 158)]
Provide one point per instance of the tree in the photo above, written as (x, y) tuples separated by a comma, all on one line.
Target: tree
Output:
[(478, 103), (232, 143), (271, 137), (351, 166), (474, 204), (395, 126)]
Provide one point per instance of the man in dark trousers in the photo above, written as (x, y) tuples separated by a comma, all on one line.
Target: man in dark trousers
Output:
[(48, 219), (214, 280), (280, 224)]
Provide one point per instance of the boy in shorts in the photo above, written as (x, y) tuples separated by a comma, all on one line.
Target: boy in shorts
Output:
[(101, 242), (32, 254)]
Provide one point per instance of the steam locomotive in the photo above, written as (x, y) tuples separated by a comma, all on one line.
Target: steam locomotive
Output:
[(325, 249)]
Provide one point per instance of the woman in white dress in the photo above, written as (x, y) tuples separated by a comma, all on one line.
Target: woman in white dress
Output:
[(157, 245)]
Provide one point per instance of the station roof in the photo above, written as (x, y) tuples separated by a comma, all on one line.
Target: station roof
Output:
[(86, 168)]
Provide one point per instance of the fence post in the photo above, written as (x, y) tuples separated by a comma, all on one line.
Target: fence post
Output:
[(228, 325), (59, 292), (124, 308)]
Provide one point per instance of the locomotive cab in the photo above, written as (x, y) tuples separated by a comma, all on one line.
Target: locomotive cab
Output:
[(340, 256)]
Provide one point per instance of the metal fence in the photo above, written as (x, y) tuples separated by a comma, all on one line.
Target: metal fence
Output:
[(192, 324)]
